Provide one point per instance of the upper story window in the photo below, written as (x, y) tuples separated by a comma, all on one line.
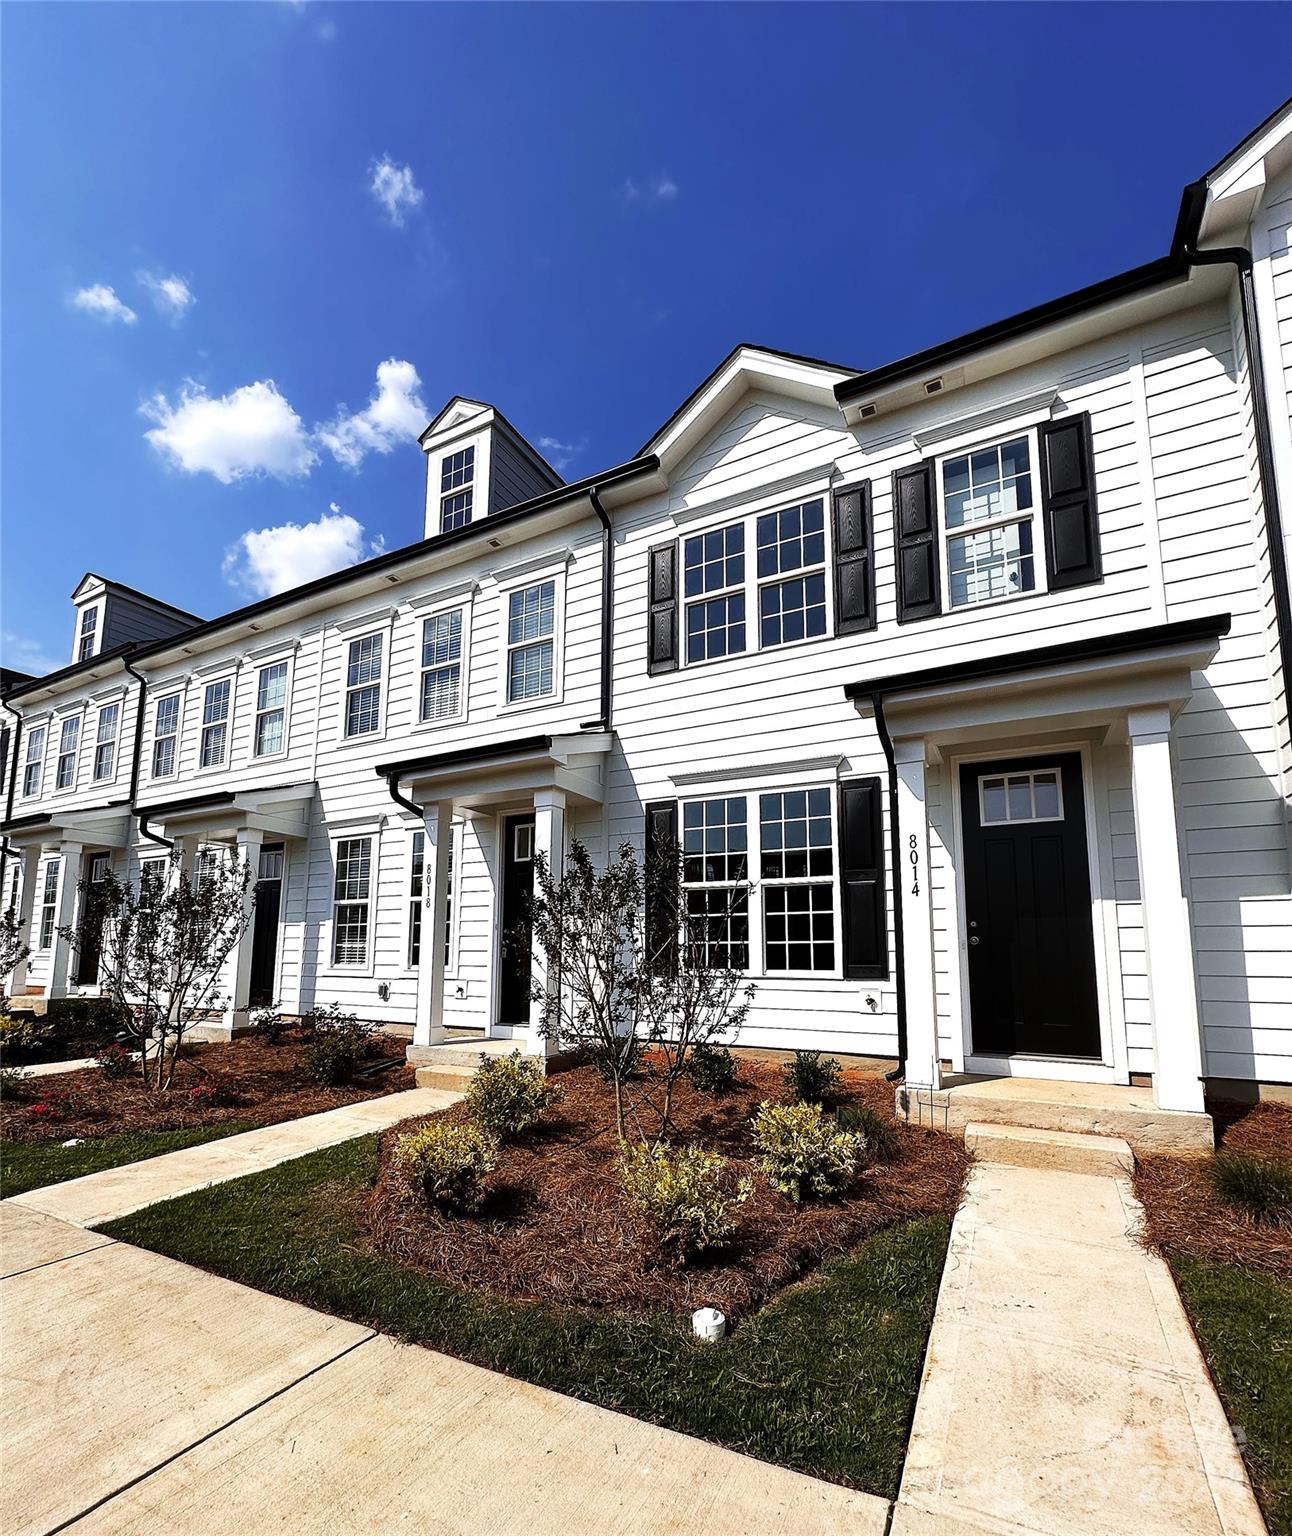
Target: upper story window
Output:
[(215, 723), (89, 631), (35, 762), (531, 630), (442, 665), (457, 474), (351, 893), (714, 575), (363, 686), (105, 744), (165, 736), (791, 606), (271, 710), (989, 493), (69, 739)]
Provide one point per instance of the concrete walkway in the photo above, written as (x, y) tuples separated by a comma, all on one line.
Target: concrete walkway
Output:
[(141, 1395), (99, 1197), (1063, 1392)]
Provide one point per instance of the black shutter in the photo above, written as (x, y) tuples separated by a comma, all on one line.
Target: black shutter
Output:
[(1068, 499), (661, 875), (861, 864), (854, 562), (661, 643), (915, 532)]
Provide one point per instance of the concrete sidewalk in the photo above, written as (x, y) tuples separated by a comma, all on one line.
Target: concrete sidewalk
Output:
[(141, 1395), (100, 1197), (1063, 1391)]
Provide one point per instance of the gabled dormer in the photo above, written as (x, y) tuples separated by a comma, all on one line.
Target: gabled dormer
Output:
[(109, 614), (477, 463)]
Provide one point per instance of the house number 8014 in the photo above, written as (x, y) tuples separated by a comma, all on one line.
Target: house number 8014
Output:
[(915, 864)]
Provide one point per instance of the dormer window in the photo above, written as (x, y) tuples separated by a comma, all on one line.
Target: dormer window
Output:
[(457, 477), (89, 634)]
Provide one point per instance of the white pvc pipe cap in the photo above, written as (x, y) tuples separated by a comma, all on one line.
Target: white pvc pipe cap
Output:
[(709, 1324)]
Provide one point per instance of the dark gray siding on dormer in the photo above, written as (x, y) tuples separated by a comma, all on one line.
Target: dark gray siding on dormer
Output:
[(124, 620), (515, 476)]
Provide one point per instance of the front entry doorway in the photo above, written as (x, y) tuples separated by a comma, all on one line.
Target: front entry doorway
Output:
[(87, 961), (264, 931), (514, 936), (1028, 920)]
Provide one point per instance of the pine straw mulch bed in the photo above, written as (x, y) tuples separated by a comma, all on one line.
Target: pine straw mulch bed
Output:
[(555, 1227), (265, 1084), (1183, 1213)]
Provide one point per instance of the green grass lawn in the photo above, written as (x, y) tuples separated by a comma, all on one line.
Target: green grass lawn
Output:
[(823, 1379), (28, 1165), (1243, 1320)]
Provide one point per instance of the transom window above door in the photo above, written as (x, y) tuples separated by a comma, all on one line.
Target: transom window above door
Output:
[(1006, 799), (988, 503)]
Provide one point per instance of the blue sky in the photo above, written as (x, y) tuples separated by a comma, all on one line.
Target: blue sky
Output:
[(220, 221)]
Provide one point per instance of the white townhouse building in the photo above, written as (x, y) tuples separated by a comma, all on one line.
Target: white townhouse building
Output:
[(967, 675)]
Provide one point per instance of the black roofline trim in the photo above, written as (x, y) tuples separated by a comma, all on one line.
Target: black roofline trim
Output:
[(517, 746), (1181, 631), (75, 667), (147, 597), (36, 819), (220, 797), (558, 479)]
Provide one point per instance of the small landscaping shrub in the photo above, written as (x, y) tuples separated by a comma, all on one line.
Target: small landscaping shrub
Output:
[(55, 1104), (882, 1142), (812, 1078), (1261, 1185), (686, 1197), (211, 1093), (270, 1025), (338, 1044), (449, 1160), (13, 1085), (803, 1154), (86, 1018), (115, 1062), (508, 1094), (712, 1068), (21, 1034)]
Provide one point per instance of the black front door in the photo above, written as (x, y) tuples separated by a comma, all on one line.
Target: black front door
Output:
[(1027, 908), (264, 929), (87, 962), (514, 940)]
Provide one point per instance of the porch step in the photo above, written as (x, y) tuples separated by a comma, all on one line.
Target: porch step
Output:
[(452, 1064), (1022, 1147)]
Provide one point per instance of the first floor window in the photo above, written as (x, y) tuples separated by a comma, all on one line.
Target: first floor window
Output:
[(791, 551), (105, 746), (531, 628), (152, 882), (442, 665), (35, 762), (715, 871), (350, 901), (215, 723), (49, 904), (271, 709), (165, 736), (69, 739), (796, 860), (713, 577), (987, 510), (363, 686)]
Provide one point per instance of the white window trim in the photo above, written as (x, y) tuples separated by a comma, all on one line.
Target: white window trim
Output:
[(229, 675), (41, 906), (382, 624), (336, 836), (286, 659), (176, 691), (553, 571), (107, 778), (78, 715), (42, 724), (99, 609), (470, 484), (959, 450), (443, 603), (1030, 775)]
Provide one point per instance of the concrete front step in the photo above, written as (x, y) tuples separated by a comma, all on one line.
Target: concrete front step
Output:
[(1022, 1147), (453, 1063)]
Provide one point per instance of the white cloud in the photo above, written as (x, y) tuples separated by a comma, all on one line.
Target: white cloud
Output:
[(655, 191), (558, 454), (266, 561), (28, 656), (101, 301), (395, 414), (395, 188), (250, 431), (171, 295)]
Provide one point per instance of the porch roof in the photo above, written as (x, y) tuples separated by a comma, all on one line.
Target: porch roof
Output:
[(278, 810), (497, 772), (103, 826)]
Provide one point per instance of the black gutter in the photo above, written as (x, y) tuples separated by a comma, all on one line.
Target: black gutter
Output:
[(74, 669), (607, 608), (895, 859), (5, 849), (392, 780), (518, 746), (21, 823), (143, 816)]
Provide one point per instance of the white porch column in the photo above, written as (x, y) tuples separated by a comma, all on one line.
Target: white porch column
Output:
[(1172, 990), (185, 855), (549, 840), (438, 822), (26, 908), (69, 878), (237, 1008), (922, 1065)]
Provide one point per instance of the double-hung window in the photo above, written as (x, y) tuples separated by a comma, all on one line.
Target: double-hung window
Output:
[(796, 863), (350, 896), (791, 574), (416, 893), (32, 768), (105, 743), (988, 505), (457, 473), (531, 643), (714, 584), (363, 686), (89, 628), (69, 739), (49, 903), (165, 736), (442, 665), (215, 723), (271, 710), (715, 873)]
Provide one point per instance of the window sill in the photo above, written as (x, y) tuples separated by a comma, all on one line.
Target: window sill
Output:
[(528, 706)]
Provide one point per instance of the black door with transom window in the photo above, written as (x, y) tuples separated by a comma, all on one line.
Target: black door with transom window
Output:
[(514, 940), (264, 930), (1028, 920), (87, 961)]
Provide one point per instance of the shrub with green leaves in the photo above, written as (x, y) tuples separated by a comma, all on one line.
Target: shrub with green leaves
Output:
[(882, 1142), (509, 1093), (116, 1062), (338, 1043), (804, 1154), (687, 1198), (21, 1034), (1261, 1185), (13, 1085), (712, 1068), (811, 1077), (448, 1159)]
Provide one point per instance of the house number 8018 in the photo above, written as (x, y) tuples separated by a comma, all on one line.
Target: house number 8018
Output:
[(915, 864)]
